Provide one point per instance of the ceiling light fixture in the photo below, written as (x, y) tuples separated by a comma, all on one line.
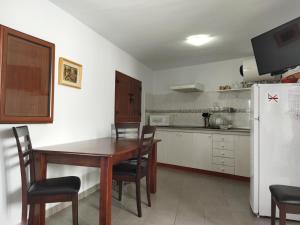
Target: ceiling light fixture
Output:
[(199, 39)]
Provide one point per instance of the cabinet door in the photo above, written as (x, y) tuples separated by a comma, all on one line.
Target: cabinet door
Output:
[(183, 149), (172, 147), (202, 151), (122, 106), (172, 154), (127, 98), (135, 100), (242, 156), (162, 146)]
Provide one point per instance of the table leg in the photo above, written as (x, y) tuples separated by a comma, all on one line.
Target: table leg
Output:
[(105, 191), (153, 169), (39, 174)]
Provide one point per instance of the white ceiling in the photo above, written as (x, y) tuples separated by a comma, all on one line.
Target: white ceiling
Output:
[(153, 31)]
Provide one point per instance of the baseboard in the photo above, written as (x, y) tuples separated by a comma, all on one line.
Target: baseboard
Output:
[(207, 172), (55, 209)]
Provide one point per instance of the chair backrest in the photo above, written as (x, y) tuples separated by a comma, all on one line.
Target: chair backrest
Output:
[(25, 155), (145, 144), (127, 130)]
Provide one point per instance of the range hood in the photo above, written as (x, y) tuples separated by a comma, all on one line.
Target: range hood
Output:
[(196, 87)]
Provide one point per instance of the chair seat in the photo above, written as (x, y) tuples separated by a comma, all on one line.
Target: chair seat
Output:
[(128, 168), (286, 194), (134, 159), (55, 186)]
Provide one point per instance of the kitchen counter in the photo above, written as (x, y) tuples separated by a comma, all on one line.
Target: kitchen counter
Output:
[(203, 129)]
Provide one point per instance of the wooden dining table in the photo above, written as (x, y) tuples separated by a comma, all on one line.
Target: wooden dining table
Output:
[(102, 153)]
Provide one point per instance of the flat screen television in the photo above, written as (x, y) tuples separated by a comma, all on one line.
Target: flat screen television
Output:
[(278, 50)]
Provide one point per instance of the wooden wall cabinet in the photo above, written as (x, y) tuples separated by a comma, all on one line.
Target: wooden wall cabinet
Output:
[(26, 77), (128, 93)]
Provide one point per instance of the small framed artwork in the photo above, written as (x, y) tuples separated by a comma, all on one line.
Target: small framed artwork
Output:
[(70, 73)]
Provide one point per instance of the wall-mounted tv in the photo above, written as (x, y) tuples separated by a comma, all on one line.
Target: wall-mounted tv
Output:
[(278, 50)]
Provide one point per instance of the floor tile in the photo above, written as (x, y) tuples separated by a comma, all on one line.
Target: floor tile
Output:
[(182, 199)]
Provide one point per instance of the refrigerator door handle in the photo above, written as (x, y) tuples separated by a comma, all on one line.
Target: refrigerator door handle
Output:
[(256, 118)]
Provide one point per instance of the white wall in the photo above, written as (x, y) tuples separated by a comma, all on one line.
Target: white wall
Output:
[(211, 75), (78, 114)]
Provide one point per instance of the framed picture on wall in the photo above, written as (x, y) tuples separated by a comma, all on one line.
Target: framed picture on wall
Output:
[(69, 73), (26, 77)]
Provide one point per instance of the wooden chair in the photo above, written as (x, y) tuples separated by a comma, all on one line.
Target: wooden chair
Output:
[(287, 198), (135, 170), (127, 129), (61, 189)]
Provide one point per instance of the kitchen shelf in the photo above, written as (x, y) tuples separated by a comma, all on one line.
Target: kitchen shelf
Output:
[(197, 87), (235, 90)]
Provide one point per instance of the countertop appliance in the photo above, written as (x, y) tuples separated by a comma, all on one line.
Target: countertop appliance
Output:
[(275, 142), (159, 120)]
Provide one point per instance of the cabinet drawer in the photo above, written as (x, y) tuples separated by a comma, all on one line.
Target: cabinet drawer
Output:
[(223, 153), (223, 169), (223, 161), (223, 138), (223, 145)]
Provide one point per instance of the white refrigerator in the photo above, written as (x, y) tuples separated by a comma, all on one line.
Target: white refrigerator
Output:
[(275, 142)]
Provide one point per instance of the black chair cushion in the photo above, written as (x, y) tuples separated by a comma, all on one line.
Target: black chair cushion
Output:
[(286, 194), (55, 186), (128, 168), (135, 159)]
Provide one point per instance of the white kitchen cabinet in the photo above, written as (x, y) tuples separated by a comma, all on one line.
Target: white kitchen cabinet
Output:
[(223, 169), (223, 161), (223, 138), (185, 149), (224, 153), (170, 149), (223, 145), (182, 148), (163, 145), (201, 154), (242, 156)]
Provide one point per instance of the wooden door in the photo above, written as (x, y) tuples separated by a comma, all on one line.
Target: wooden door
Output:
[(135, 100), (127, 98), (122, 106)]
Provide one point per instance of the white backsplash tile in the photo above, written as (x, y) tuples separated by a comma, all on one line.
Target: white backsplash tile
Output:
[(202, 100)]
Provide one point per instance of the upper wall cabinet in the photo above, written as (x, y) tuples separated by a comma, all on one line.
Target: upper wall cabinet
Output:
[(127, 98), (27, 78)]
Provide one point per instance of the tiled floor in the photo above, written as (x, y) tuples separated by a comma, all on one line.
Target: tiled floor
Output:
[(181, 199)]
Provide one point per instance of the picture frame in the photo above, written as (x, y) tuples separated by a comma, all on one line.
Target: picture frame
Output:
[(69, 73), (26, 77)]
